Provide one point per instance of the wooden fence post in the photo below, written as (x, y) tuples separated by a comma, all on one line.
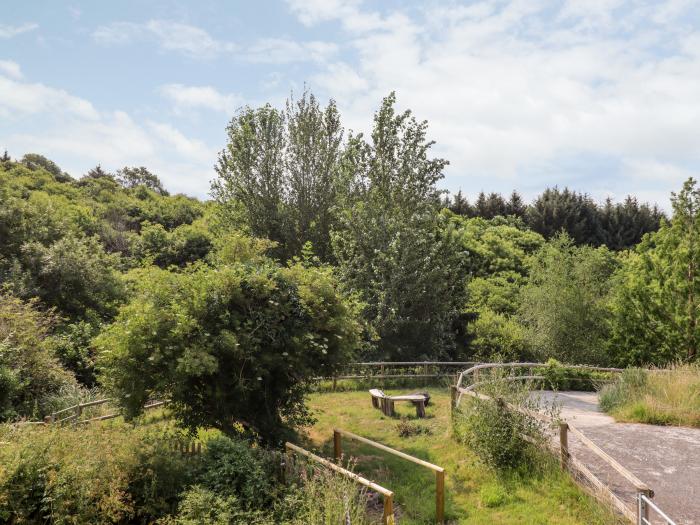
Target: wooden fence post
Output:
[(388, 517), (337, 445), (440, 496), (564, 444)]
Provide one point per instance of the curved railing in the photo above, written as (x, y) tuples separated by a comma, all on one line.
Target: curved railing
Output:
[(469, 380)]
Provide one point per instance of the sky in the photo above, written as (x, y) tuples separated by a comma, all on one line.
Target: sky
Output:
[(601, 96)]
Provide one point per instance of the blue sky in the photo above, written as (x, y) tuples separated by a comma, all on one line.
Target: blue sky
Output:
[(599, 95)]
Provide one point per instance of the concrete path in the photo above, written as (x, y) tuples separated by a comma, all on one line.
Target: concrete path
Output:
[(665, 458)]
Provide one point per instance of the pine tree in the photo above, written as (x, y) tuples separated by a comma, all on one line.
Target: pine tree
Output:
[(516, 206), (460, 205)]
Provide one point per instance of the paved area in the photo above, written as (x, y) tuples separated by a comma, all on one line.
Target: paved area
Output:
[(665, 458)]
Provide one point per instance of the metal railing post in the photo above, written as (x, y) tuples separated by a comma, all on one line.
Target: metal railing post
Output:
[(642, 508)]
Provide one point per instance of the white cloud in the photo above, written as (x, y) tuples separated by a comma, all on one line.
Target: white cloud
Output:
[(200, 97), (195, 42), (279, 51), (187, 39), (512, 86), (171, 36), (12, 31), (10, 69), (24, 98), (71, 131), (193, 149)]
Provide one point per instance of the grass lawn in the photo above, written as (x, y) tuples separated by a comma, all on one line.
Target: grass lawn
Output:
[(473, 494)]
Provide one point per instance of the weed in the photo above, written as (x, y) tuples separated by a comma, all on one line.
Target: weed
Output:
[(407, 428)]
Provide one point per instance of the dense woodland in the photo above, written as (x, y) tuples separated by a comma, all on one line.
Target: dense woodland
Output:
[(319, 246)]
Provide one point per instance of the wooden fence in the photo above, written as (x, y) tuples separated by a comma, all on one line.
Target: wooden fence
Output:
[(402, 369), (338, 434), (76, 411), (573, 465), (388, 495)]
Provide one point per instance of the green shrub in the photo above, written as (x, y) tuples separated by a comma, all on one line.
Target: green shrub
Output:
[(231, 468), (29, 374), (324, 498), (201, 506), (562, 377), (492, 495), (233, 345), (495, 334), (96, 474), (503, 438)]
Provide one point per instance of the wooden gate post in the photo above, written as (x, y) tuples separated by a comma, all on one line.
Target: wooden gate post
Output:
[(337, 445), (440, 496), (564, 445), (388, 517)]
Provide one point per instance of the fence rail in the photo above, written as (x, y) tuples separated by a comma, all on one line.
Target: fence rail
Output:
[(568, 462), (644, 505), (439, 471), (401, 370), (388, 495), (77, 412)]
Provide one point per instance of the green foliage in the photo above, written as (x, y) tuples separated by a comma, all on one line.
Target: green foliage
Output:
[(231, 468), (202, 506), (562, 377), (564, 306), (91, 475), (502, 437), (656, 306), (392, 247), (73, 274), (498, 337), (29, 374), (235, 344), (617, 225), (35, 161), (557, 210), (71, 344), (631, 383), (281, 168), (133, 177), (325, 498), (186, 244)]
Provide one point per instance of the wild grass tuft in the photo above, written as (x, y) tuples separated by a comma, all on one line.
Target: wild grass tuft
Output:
[(668, 396)]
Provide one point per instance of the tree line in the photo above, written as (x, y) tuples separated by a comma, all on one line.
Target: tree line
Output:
[(318, 246), (619, 226)]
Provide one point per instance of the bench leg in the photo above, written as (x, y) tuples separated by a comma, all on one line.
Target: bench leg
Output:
[(389, 408), (375, 402), (420, 409)]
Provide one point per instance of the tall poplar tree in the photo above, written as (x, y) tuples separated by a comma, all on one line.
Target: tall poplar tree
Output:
[(393, 248)]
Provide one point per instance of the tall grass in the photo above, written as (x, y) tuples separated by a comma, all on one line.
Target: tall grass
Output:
[(668, 396)]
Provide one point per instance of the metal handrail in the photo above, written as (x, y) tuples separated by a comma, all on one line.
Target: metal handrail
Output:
[(644, 504)]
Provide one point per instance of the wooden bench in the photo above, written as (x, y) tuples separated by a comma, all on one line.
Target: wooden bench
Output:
[(386, 403)]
